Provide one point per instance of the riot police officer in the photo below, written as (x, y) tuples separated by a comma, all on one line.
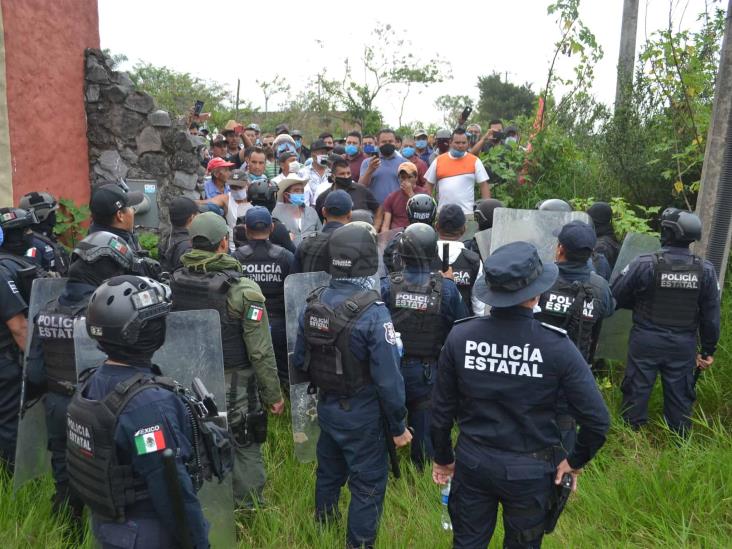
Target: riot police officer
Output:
[(182, 210), (121, 418), (346, 344), (212, 279), (421, 208), (674, 296), (484, 216), (423, 307), (268, 265), (312, 253), (51, 359), (53, 255), (264, 193), (607, 243), (576, 303), (553, 205), (499, 377)]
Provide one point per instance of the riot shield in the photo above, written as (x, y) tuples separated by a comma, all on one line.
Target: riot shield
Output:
[(613, 341), (32, 458), (471, 227), (483, 240), (537, 227), (192, 349), (382, 241)]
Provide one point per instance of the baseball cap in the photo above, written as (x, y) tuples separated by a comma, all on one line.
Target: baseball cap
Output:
[(338, 203), (231, 126), (442, 133), (451, 218), (320, 145), (218, 163), (253, 126), (577, 236), (285, 154), (407, 167), (181, 209), (209, 226), (282, 128), (418, 132), (258, 218), (297, 133), (238, 178), (108, 199)]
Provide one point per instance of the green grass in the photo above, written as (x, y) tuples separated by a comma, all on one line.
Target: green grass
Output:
[(646, 489)]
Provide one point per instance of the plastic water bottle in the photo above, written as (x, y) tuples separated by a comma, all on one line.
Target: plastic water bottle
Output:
[(400, 345), (444, 497)]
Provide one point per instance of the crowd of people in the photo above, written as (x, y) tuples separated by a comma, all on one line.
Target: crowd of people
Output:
[(500, 343)]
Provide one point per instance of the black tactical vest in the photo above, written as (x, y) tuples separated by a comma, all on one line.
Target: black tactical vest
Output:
[(328, 359), (195, 291), (61, 259), (166, 255), (22, 273), (574, 307), (267, 265), (465, 272), (313, 252), (56, 331), (415, 311), (673, 299)]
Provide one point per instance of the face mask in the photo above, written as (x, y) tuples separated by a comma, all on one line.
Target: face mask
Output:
[(238, 194), (511, 140), (387, 150), (408, 152), (443, 146), (297, 199), (456, 154), (343, 181), (351, 150), (421, 143), (369, 149), (298, 143), (253, 177)]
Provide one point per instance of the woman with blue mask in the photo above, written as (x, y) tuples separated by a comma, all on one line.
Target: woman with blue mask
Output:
[(301, 220)]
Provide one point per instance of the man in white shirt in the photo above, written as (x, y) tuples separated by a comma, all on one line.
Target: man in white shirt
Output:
[(318, 170)]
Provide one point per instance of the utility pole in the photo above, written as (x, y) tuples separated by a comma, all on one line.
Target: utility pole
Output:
[(236, 107), (711, 203), (626, 57)]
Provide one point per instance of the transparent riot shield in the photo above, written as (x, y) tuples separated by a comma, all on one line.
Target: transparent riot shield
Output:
[(471, 227), (382, 241), (539, 228), (613, 341), (192, 349), (483, 240), (32, 458)]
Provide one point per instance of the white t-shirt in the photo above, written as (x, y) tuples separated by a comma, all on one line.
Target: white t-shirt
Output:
[(455, 179)]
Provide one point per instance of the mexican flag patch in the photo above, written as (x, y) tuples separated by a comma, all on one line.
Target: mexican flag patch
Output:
[(255, 313), (149, 439)]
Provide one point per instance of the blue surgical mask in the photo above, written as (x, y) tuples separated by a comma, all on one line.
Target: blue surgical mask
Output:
[(298, 143), (408, 152), (297, 199), (351, 150), (456, 154), (253, 177), (238, 194), (421, 143)]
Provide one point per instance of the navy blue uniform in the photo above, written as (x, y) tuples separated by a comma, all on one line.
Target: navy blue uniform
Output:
[(419, 374), (499, 377), (654, 347), (150, 523), (352, 445), (312, 253)]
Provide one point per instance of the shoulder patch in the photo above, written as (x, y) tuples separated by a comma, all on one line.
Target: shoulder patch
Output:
[(554, 328), (255, 313), (389, 333), (149, 440)]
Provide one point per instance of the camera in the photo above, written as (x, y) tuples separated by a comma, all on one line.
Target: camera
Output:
[(499, 136)]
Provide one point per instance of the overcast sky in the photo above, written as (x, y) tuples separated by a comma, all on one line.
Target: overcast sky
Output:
[(253, 40)]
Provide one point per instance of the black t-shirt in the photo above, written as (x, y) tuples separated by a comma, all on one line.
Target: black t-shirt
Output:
[(363, 199)]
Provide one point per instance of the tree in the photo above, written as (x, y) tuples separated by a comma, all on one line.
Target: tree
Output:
[(451, 106), (270, 88), (503, 99)]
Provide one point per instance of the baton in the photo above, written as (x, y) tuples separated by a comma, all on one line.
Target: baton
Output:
[(445, 257), (176, 498)]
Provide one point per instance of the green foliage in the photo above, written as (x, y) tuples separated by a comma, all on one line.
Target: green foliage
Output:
[(149, 242), (627, 218), (451, 106), (70, 220), (501, 99)]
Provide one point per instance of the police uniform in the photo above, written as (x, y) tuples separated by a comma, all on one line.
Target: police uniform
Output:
[(466, 269), (499, 377), (178, 243), (50, 254), (312, 253), (674, 296), (423, 306)]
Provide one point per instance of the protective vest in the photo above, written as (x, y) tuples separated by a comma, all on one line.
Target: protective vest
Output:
[(392, 260), (61, 259), (22, 273), (574, 307), (415, 311), (314, 253), (673, 299), (609, 247), (166, 258), (267, 265), (328, 359), (56, 331), (465, 271), (95, 473), (195, 291)]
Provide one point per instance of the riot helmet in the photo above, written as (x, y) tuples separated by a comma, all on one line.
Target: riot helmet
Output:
[(263, 193), (43, 205), (418, 243), (16, 224), (679, 226), (421, 208), (353, 252), (103, 244), (553, 205), (484, 212)]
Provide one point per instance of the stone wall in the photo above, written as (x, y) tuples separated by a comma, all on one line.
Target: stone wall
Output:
[(130, 139)]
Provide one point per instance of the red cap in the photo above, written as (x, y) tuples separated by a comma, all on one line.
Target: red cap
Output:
[(218, 163)]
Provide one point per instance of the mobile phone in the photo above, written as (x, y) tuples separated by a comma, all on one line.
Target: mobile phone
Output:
[(465, 114), (198, 107)]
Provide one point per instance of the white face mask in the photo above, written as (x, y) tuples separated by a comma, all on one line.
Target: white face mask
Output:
[(511, 140), (239, 194)]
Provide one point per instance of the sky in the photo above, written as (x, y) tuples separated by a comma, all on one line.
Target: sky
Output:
[(259, 40)]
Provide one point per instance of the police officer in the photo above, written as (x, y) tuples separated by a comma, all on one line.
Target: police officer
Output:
[(312, 253), (51, 359), (499, 378), (16, 276), (484, 216), (553, 205), (421, 208), (212, 279), (607, 243), (346, 343), (423, 307), (264, 193), (182, 210), (674, 296), (576, 303), (53, 255), (123, 416), (268, 265), (466, 265)]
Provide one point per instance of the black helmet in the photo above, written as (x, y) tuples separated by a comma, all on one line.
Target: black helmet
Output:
[(421, 208), (352, 250), (104, 244), (418, 242), (120, 308), (41, 203), (554, 205), (263, 193), (601, 213), (16, 218), (680, 226), (484, 212)]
